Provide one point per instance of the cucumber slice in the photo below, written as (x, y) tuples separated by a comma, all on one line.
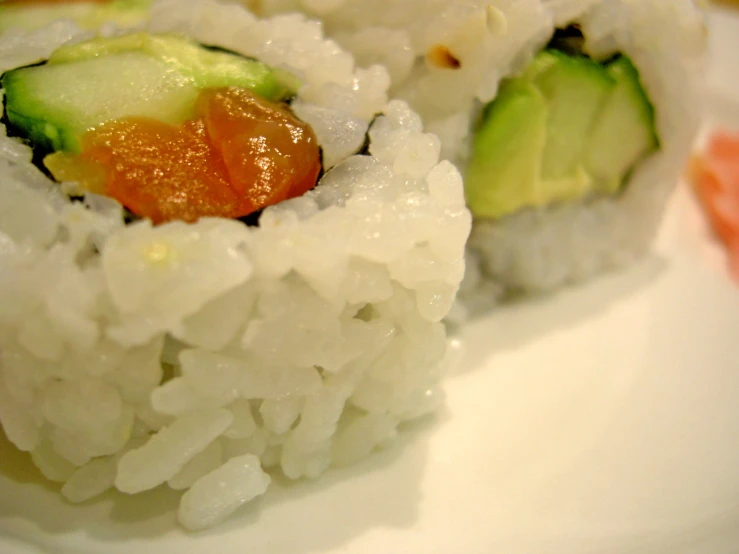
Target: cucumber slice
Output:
[(575, 89), (84, 85), (207, 68), (624, 133), (56, 104), (503, 175)]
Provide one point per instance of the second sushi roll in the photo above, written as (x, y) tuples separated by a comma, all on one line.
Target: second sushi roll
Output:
[(571, 119), (183, 304)]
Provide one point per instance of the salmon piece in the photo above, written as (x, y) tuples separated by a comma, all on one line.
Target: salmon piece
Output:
[(269, 154), (734, 259), (715, 177), (240, 154), (161, 171)]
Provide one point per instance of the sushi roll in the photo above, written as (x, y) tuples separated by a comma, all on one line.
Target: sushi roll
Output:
[(225, 254), (570, 119)]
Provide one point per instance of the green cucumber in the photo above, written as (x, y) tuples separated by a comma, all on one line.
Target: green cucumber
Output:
[(56, 104), (206, 67), (624, 133), (85, 85), (575, 88)]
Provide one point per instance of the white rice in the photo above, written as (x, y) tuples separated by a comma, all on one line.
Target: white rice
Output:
[(493, 39), (206, 356)]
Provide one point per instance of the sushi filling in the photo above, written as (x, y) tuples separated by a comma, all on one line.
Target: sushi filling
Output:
[(205, 133), (567, 128)]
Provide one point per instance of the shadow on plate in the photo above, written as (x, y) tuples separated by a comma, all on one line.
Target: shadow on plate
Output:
[(33, 510), (345, 503), (519, 323), (27, 495)]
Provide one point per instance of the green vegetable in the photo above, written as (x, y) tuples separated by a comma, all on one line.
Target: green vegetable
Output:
[(566, 128), (84, 85), (575, 90), (623, 133), (508, 149)]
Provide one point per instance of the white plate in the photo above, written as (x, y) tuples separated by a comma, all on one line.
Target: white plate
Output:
[(600, 420)]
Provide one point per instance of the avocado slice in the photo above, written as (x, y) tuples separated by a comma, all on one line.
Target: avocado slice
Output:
[(566, 128), (503, 174), (87, 84)]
